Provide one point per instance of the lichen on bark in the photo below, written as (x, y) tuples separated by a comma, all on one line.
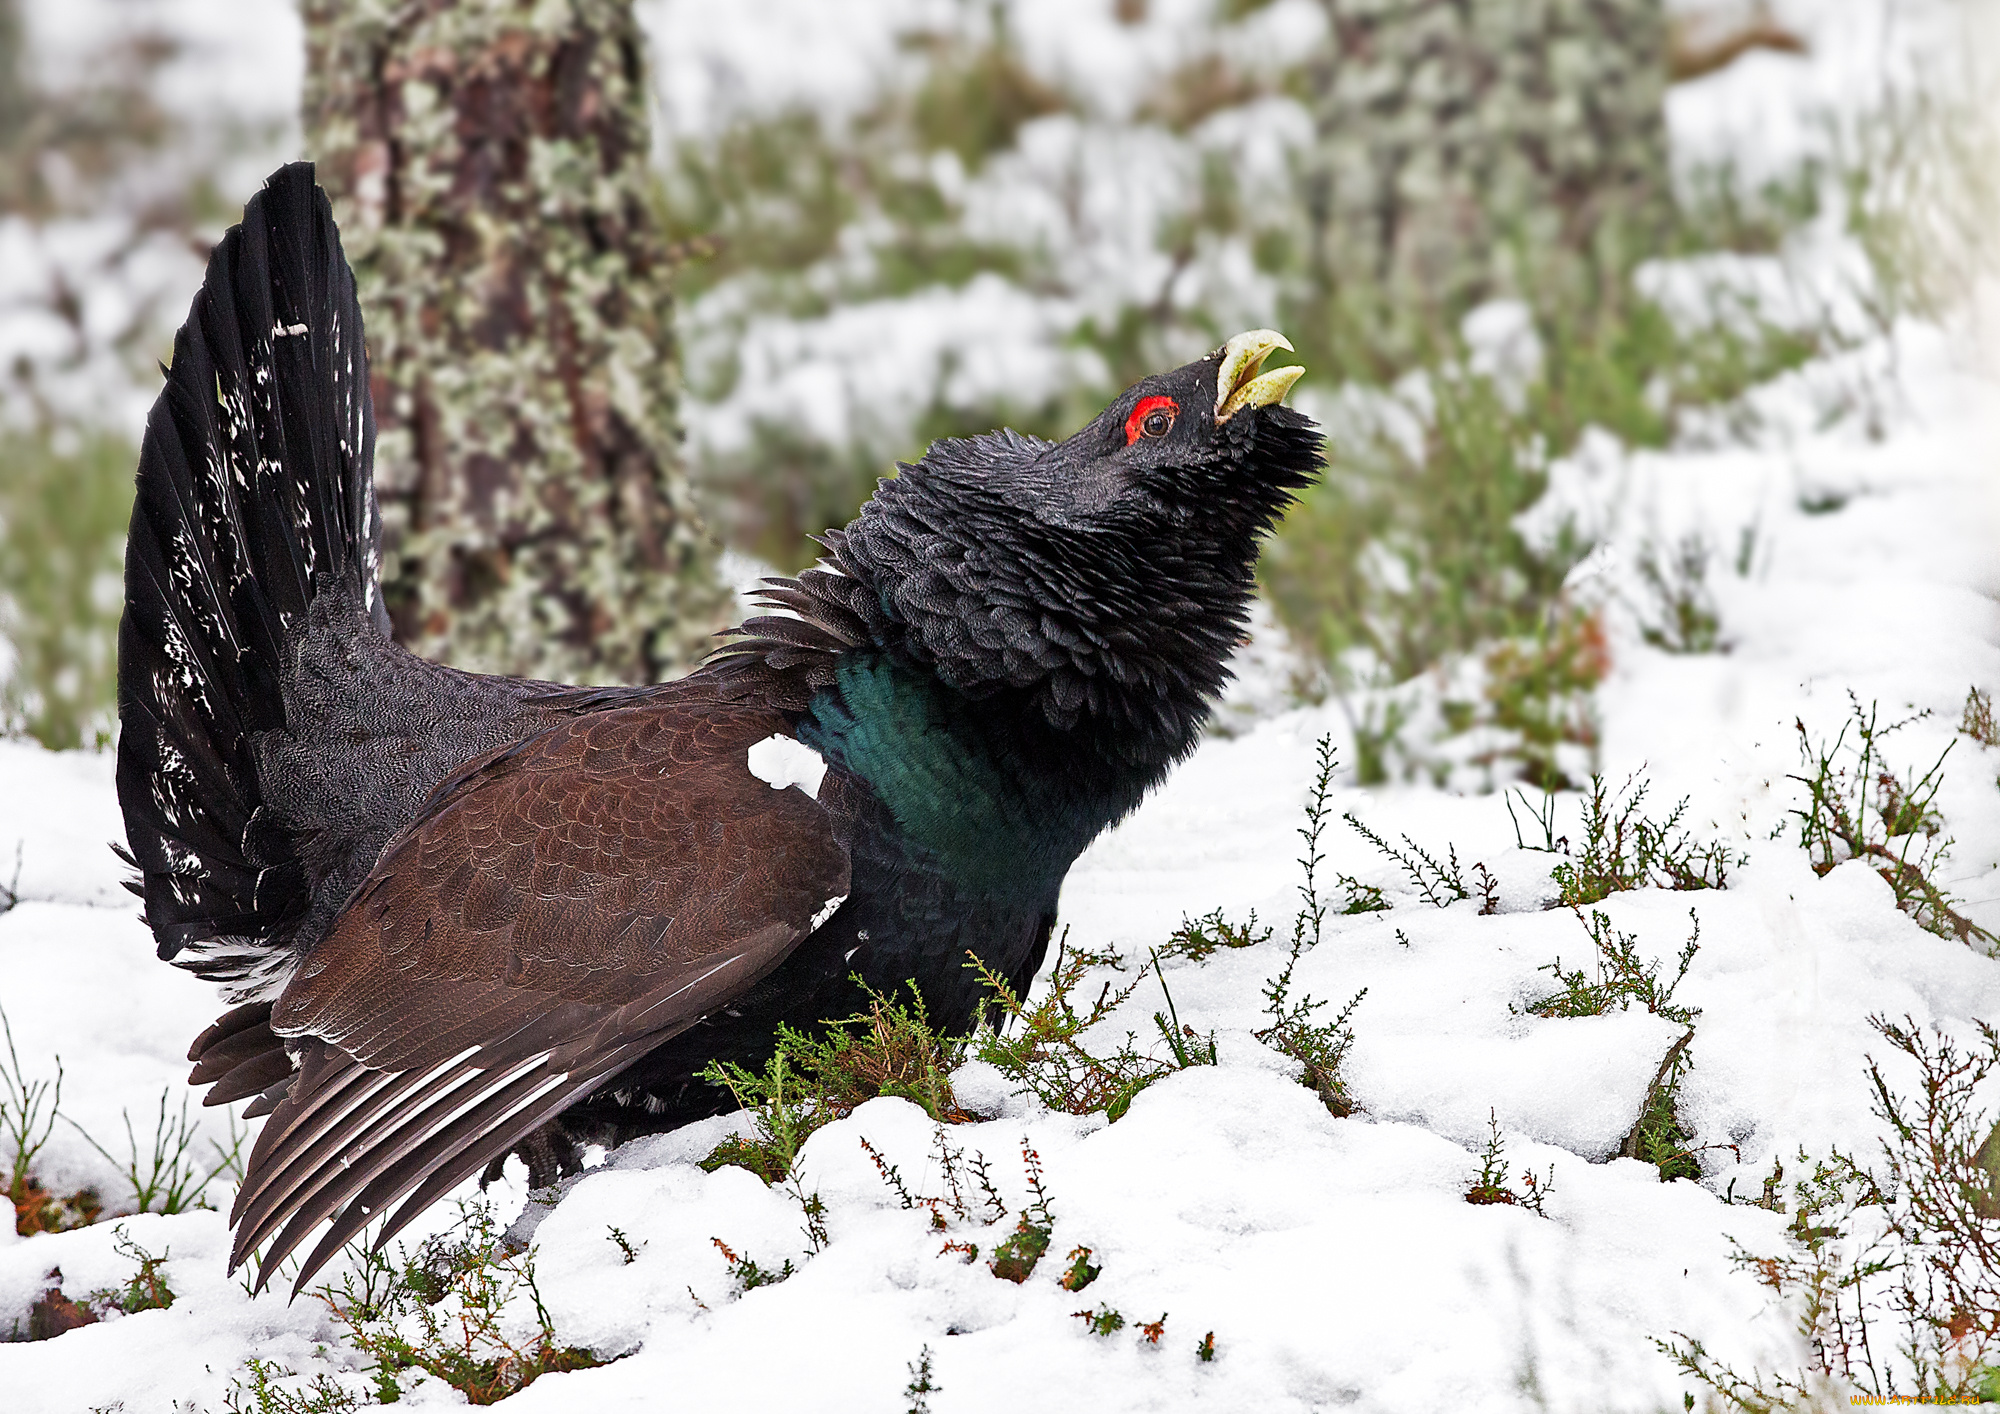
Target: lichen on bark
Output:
[(1473, 149), (489, 164)]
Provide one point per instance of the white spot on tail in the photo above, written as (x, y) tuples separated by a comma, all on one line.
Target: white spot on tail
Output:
[(781, 761), (826, 911), (279, 331)]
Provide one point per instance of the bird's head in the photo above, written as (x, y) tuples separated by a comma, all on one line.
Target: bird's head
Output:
[(1186, 458), (1104, 578)]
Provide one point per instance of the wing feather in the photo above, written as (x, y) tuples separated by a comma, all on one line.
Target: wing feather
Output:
[(452, 1155), (315, 1148), (401, 1117), (558, 912)]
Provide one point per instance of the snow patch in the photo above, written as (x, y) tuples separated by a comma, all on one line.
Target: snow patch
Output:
[(779, 761), (827, 910)]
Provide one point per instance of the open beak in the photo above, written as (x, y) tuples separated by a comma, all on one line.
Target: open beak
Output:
[(1239, 385)]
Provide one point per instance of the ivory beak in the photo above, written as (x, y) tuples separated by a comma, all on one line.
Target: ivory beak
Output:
[(1239, 385)]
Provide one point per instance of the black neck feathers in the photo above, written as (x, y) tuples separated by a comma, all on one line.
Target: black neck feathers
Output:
[(995, 567)]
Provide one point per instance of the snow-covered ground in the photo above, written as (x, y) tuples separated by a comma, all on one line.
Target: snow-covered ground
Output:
[(1335, 1261)]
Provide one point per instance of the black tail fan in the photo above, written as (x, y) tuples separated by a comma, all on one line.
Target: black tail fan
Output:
[(254, 499)]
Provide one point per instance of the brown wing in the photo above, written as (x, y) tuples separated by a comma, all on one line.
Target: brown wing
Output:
[(567, 905)]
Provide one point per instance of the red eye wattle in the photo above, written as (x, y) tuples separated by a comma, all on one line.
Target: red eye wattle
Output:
[(1154, 417)]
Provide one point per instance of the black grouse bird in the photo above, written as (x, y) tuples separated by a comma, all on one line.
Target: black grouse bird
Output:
[(461, 915)]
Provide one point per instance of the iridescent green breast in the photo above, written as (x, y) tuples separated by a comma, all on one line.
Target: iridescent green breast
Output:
[(970, 783)]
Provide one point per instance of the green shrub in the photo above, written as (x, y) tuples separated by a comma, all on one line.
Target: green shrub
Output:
[(1411, 552), (1919, 177), (1197, 939), (263, 1392), (1081, 1271), (1103, 1321), (1660, 1137), (1893, 1270), (1320, 1047), (1623, 849), (1621, 980), (1040, 1047), (1717, 208), (1184, 1043), (1378, 733), (167, 1177), (1016, 1255), (1412, 555), (1976, 721), (1409, 557), (146, 1289), (1539, 692), (1441, 885), (1859, 807), (1020, 1252), (922, 1385), (28, 1113), (747, 1273), (813, 1079), (1491, 1186), (799, 216), (396, 1314), (976, 96), (783, 1116), (1682, 617), (64, 506)]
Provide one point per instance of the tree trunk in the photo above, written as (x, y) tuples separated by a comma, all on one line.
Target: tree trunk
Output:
[(487, 161), (1473, 149)]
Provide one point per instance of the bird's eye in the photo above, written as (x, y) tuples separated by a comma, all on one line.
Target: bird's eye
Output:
[(1154, 417)]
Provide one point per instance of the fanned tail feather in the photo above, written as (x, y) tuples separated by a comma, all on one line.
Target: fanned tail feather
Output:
[(254, 499)]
